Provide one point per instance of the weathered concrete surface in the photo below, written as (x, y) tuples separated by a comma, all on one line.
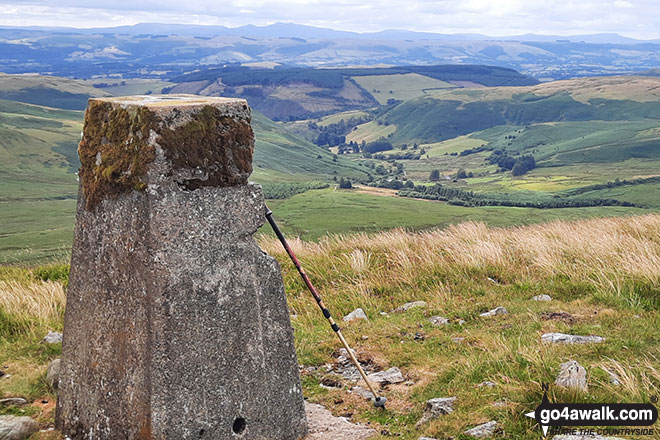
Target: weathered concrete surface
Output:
[(324, 426), (176, 324)]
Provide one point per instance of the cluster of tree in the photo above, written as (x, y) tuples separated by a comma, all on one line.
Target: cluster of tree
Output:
[(456, 196), (376, 146), (523, 164), (335, 134), (517, 165), (105, 85), (345, 184), (398, 156), (286, 190), (469, 151), (392, 184)]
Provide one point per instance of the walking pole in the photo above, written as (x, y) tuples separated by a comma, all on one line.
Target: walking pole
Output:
[(379, 402)]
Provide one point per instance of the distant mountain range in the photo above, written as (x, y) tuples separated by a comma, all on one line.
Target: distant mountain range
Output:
[(168, 50), (302, 31)]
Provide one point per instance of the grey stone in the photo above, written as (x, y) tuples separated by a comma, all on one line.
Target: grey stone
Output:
[(13, 401), (487, 384), (53, 374), (561, 338), (458, 339), (411, 305), (52, 338), (426, 438), (391, 375), (17, 428), (324, 426), (495, 311), (542, 298), (572, 375), (176, 325), (344, 366), (438, 320), (362, 392), (483, 431), (500, 404), (355, 314), (436, 408)]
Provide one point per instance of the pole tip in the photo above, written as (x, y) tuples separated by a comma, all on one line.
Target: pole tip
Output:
[(380, 402)]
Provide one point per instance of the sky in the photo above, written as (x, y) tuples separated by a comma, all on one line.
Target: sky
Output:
[(631, 18)]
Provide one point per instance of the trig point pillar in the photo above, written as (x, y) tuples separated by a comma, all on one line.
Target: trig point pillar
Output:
[(176, 323)]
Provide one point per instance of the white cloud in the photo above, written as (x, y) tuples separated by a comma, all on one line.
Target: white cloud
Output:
[(490, 17)]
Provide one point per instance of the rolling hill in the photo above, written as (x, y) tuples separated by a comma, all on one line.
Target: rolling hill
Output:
[(38, 161), (303, 93)]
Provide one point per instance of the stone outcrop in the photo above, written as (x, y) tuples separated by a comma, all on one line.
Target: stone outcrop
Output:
[(176, 324)]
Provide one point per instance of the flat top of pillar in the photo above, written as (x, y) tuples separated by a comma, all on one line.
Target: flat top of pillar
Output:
[(161, 101)]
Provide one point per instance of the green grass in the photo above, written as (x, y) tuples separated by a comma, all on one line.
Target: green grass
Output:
[(369, 132), (585, 267), (314, 214), (400, 87), (345, 116)]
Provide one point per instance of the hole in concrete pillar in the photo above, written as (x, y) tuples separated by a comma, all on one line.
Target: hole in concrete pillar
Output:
[(239, 425), (201, 433)]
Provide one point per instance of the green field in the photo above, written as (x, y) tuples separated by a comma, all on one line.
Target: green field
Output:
[(320, 212), (400, 87), (369, 132)]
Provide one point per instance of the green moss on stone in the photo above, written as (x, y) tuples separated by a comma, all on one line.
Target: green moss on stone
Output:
[(120, 136)]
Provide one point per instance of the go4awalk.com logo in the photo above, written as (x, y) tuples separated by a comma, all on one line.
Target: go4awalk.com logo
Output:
[(618, 418)]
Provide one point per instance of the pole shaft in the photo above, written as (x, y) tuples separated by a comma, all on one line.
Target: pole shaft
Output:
[(317, 298)]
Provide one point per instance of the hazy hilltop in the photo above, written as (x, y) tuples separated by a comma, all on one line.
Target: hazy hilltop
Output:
[(164, 50)]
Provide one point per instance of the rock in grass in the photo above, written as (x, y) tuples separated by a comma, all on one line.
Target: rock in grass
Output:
[(13, 401), (391, 375), (52, 338), (410, 305), (542, 298), (17, 428), (562, 338), (438, 320), (572, 375), (426, 438), (436, 408), (482, 431), (362, 392), (53, 374), (495, 311), (355, 315), (487, 384), (323, 426)]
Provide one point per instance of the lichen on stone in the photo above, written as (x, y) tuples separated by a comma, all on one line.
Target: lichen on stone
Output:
[(121, 137), (217, 145)]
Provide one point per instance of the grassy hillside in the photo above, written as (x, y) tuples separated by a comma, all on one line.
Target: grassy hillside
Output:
[(38, 186), (592, 270), (49, 91), (285, 93), (280, 155), (446, 114)]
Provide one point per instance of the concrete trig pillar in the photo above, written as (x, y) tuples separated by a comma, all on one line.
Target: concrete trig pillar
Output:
[(176, 324)]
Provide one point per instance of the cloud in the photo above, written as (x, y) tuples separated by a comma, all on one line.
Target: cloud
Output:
[(497, 18)]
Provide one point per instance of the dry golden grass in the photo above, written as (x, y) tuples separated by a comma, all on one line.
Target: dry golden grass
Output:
[(603, 252), (39, 301)]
